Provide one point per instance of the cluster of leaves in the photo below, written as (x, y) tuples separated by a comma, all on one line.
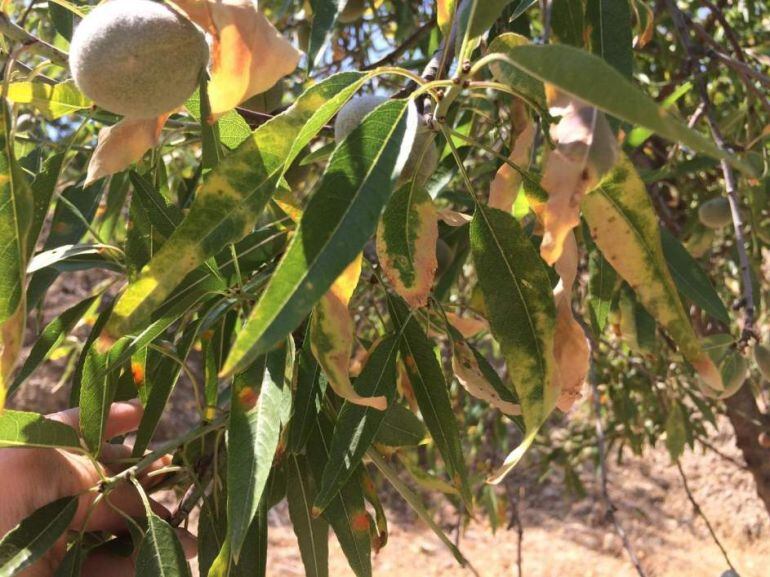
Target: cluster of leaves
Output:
[(245, 247)]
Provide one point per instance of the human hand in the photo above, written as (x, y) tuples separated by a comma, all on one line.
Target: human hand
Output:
[(32, 478)]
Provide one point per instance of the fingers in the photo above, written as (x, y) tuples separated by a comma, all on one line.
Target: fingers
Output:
[(101, 564), (110, 514), (189, 543), (123, 418)]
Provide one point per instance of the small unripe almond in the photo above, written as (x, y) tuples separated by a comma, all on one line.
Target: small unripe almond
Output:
[(734, 369), (352, 11), (423, 158), (762, 358), (137, 58), (715, 213)]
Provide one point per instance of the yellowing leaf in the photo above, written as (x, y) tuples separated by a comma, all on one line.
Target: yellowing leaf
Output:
[(53, 101), (406, 243), (624, 226), (571, 353), (645, 21), (468, 371), (123, 144), (249, 56), (332, 337), (585, 150), (505, 186), (445, 13), (16, 213)]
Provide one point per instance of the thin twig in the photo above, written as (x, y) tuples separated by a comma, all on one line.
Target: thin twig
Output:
[(702, 515), (680, 23), (724, 456), (413, 39), (516, 522), (609, 504)]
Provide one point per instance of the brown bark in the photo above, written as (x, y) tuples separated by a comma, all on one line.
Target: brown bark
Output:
[(748, 422)]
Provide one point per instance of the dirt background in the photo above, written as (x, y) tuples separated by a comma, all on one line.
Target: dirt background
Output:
[(562, 537)]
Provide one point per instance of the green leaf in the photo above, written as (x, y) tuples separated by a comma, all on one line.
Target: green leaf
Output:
[(347, 512), (97, 391), (77, 378), (406, 243), (358, 425), (531, 89), (609, 24), (261, 404), (76, 207), (308, 397), (20, 429), (676, 431), (52, 336), (325, 14), (602, 282), (417, 506), (35, 535), (253, 559), (521, 313), (53, 101), (63, 20), (231, 128), (312, 533), (623, 224), (691, 279), (589, 78), (161, 553), (523, 6), (400, 428), (232, 197), (73, 560), (42, 190), (158, 386), (567, 21), (476, 17), (432, 393), (339, 219), (16, 214)]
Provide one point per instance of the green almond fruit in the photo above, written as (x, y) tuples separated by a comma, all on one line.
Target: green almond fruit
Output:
[(137, 58), (762, 358), (715, 213)]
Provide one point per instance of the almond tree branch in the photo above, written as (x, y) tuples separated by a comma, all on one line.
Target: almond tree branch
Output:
[(702, 515), (680, 23), (33, 44), (391, 58), (603, 475)]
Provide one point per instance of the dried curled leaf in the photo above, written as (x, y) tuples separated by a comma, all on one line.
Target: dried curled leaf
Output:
[(406, 243), (123, 144), (505, 186), (332, 337), (585, 151), (471, 376), (249, 55), (571, 352), (468, 326), (453, 218)]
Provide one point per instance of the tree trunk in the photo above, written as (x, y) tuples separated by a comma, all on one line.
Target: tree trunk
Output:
[(746, 417)]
